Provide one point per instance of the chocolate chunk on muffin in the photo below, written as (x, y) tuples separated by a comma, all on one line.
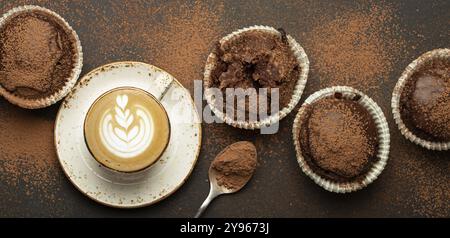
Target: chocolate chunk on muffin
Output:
[(256, 59), (425, 101), (338, 139), (37, 55)]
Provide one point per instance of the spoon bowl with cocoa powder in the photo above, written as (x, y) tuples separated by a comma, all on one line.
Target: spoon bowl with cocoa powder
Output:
[(230, 171)]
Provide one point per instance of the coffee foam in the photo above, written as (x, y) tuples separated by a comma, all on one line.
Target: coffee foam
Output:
[(126, 131)]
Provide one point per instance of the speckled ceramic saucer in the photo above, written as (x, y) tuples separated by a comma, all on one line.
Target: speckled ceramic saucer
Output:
[(128, 190)]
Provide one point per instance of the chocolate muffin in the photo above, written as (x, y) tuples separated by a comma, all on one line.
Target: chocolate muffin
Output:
[(338, 139), (37, 54), (253, 60), (425, 101)]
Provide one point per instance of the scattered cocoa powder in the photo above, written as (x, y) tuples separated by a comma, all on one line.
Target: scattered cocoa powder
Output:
[(189, 34), (179, 42), (235, 164), (422, 180), (357, 48), (28, 162)]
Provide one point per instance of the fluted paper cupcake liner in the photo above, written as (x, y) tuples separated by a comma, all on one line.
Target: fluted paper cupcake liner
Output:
[(64, 90), (382, 132), (395, 103), (302, 60)]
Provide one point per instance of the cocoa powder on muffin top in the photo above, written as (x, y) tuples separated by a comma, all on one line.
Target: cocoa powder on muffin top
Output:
[(425, 101), (338, 138), (36, 55)]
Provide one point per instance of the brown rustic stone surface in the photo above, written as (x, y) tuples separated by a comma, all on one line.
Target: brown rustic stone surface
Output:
[(178, 37)]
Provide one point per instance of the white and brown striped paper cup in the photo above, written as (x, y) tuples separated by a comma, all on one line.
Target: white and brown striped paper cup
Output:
[(382, 132), (303, 63), (396, 96), (76, 69)]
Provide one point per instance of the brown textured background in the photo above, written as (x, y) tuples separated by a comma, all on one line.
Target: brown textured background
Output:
[(177, 36)]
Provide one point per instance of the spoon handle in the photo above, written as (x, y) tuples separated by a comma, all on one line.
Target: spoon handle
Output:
[(212, 194)]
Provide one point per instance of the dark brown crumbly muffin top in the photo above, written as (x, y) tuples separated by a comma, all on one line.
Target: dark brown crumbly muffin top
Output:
[(37, 55), (257, 59), (338, 139), (425, 102)]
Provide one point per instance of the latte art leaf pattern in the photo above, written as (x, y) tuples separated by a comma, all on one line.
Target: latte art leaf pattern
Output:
[(124, 119), (122, 101), (126, 131)]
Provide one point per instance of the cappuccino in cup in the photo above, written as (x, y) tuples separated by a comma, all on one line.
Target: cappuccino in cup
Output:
[(127, 129)]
